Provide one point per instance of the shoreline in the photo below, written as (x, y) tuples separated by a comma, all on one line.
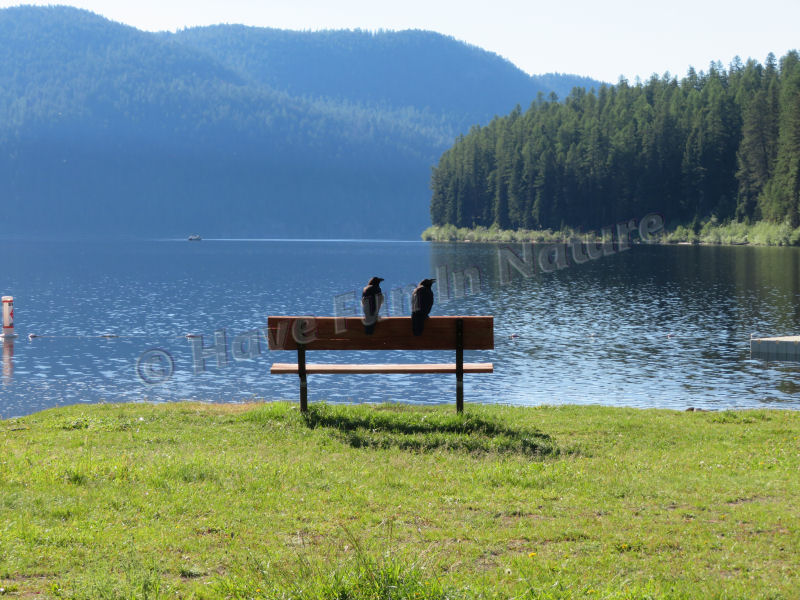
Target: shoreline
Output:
[(236, 407), (710, 233)]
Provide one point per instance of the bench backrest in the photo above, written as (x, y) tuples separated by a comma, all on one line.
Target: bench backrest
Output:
[(391, 333)]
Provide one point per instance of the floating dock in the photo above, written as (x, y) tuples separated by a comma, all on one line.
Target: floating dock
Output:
[(776, 348)]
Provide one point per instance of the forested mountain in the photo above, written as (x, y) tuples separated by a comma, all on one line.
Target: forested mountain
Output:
[(230, 130), (723, 144), (420, 69)]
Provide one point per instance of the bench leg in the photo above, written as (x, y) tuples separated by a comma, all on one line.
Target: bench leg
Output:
[(303, 394), (459, 392), (459, 366), (301, 371)]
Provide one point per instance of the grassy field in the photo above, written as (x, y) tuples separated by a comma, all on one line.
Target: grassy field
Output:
[(259, 501)]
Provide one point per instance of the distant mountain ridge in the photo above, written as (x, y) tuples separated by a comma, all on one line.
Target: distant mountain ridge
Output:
[(416, 68), (232, 130)]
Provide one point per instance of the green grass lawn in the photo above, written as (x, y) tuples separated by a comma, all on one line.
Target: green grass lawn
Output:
[(251, 501)]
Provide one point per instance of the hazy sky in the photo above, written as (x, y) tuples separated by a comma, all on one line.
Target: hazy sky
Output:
[(587, 37)]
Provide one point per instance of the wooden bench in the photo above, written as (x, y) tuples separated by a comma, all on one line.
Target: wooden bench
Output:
[(391, 333)]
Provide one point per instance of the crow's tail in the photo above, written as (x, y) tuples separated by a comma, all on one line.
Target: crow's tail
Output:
[(417, 323)]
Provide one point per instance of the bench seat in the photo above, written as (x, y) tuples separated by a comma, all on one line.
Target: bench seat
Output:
[(355, 369)]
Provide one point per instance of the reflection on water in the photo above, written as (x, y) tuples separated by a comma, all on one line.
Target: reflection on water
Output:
[(653, 326), (8, 361)]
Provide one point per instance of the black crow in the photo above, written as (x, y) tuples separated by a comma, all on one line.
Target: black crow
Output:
[(371, 301), (421, 304)]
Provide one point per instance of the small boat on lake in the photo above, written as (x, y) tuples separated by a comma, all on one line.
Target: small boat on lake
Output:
[(194, 238)]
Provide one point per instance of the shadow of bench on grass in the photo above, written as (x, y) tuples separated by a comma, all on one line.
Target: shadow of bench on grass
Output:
[(373, 427)]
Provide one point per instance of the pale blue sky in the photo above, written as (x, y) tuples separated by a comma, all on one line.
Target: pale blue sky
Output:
[(587, 37)]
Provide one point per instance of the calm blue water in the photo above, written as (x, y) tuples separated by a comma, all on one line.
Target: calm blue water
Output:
[(651, 327)]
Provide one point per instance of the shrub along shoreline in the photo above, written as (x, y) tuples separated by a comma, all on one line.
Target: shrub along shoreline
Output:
[(711, 232), (259, 501)]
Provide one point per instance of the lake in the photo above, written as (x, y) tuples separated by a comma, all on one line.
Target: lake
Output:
[(653, 326)]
